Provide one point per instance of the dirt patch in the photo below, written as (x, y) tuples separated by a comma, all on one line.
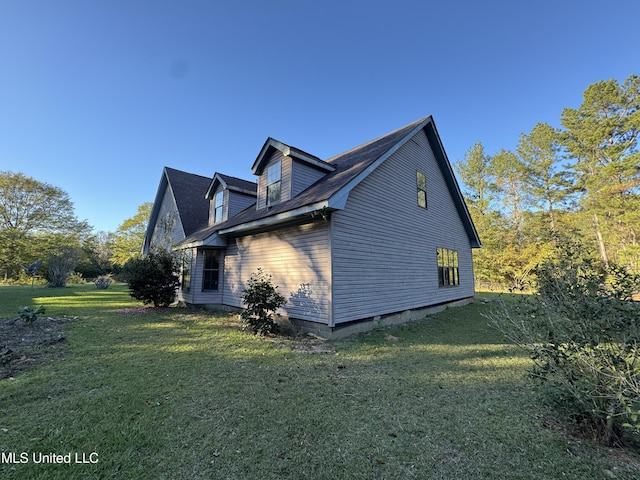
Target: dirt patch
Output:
[(24, 344)]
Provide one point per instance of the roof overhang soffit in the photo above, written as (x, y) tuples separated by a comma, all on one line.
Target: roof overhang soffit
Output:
[(213, 240), (319, 209)]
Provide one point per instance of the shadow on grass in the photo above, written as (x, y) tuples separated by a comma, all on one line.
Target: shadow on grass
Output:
[(177, 394)]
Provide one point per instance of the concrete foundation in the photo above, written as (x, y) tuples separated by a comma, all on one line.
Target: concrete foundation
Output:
[(368, 324)]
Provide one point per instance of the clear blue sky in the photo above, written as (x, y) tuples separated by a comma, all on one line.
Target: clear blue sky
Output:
[(96, 97)]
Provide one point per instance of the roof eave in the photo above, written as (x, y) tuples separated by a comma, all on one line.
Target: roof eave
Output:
[(213, 240), (452, 184), (277, 219)]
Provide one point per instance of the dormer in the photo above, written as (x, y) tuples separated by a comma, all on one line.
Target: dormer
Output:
[(284, 171), (228, 196)]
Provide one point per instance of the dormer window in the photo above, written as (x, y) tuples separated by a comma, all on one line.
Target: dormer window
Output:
[(218, 203), (274, 180)]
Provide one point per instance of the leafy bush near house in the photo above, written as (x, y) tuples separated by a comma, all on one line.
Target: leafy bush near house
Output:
[(262, 299), (583, 333), (153, 278)]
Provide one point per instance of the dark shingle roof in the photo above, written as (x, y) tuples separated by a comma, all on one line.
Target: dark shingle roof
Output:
[(188, 191), (239, 183), (348, 166)]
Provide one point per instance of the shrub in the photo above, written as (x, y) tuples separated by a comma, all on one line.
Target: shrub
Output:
[(262, 299), (583, 334), (103, 282), (61, 265), (76, 278), (30, 314), (153, 278)]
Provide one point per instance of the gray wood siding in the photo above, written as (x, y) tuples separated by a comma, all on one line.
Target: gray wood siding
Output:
[(384, 244), (297, 258), (237, 203), (168, 227), (210, 297), (303, 176), (285, 186)]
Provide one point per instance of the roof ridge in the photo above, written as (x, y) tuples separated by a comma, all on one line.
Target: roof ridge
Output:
[(365, 144), (188, 173)]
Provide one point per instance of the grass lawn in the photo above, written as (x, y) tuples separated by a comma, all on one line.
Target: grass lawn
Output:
[(176, 394)]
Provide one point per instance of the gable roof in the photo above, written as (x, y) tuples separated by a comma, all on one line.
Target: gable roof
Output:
[(187, 189), (331, 192), (288, 151), (231, 183)]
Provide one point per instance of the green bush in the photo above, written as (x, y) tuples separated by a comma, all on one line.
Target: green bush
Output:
[(262, 299), (103, 282), (76, 278), (153, 278), (30, 314), (583, 333)]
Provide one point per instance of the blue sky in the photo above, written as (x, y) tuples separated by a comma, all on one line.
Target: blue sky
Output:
[(96, 97)]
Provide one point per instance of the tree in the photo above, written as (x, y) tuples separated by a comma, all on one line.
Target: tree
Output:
[(548, 182), (62, 264), (602, 136), (510, 186), (477, 178), (96, 256), (129, 237), (28, 209), (153, 278)]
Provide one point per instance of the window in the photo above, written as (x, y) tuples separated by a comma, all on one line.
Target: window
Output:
[(274, 176), (218, 202), (210, 271), (448, 267), (187, 257), (421, 181)]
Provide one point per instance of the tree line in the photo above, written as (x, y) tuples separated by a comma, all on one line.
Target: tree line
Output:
[(38, 222), (580, 181)]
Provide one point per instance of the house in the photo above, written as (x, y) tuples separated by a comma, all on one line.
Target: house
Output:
[(179, 209), (377, 234)]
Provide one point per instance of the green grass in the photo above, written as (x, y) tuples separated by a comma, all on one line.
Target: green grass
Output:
[(184, 395)]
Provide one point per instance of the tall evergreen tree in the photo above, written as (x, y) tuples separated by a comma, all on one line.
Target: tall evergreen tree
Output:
[(549, 183), (602, 136), (511, 188), (475, 173)]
